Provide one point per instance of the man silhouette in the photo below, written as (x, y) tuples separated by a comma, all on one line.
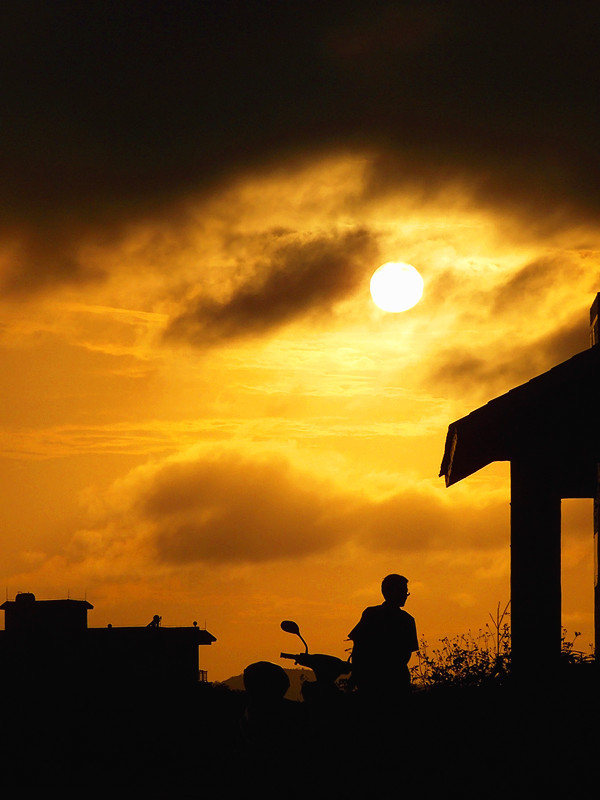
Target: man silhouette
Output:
[(383, 642)]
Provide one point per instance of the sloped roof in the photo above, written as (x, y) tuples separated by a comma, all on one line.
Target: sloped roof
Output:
[(555, 418)]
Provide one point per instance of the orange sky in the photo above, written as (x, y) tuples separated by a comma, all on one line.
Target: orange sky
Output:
[(203, 413)]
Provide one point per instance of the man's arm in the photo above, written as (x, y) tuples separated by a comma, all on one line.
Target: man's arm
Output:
[(360, 629)]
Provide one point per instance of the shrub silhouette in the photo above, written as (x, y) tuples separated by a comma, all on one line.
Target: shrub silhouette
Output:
[(467, 660), (481, 659), (571, 656)]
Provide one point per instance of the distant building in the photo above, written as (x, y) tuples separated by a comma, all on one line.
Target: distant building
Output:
[(49, 641)]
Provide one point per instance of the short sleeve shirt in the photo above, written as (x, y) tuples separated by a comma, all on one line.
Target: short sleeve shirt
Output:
[(383, 640)]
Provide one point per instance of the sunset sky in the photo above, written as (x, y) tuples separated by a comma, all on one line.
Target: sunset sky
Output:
[(204, 415)]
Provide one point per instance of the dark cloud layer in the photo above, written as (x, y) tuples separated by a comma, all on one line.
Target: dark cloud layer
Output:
[(300, 275), (114, 111), (225, 508)]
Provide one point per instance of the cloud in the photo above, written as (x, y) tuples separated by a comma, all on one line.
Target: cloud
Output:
[(307, 274), (528, 287), (226, 509), (492, 369), (529, 318), (43, 255), (220, 509), (420, 521), (112, 118), (231, 510)]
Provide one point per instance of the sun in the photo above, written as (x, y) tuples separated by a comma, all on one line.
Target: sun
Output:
[(396, 286)]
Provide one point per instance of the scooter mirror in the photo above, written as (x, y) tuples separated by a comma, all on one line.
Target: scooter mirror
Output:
[(290, 627)]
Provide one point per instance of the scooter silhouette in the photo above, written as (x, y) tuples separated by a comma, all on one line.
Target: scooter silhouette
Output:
[(327, 669)]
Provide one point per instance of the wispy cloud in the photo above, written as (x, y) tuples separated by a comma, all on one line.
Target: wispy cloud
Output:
[(306, 275)]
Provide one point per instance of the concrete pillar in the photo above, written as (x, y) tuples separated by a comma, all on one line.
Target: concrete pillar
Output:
[(596, 563), (536, 625)]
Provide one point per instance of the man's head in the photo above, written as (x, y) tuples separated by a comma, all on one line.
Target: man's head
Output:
[(394, 588)]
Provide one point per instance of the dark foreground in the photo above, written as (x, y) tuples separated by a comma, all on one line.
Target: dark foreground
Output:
[(492, 742)]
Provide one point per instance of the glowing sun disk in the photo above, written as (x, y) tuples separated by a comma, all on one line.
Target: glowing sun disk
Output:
[(396, 286)]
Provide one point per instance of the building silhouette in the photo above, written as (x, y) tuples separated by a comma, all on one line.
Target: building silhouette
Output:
[(48, 642), (549, 431)]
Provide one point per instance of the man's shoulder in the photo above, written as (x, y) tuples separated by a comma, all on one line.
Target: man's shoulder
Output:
[(367, 622), (371, 610), (387, 611)]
